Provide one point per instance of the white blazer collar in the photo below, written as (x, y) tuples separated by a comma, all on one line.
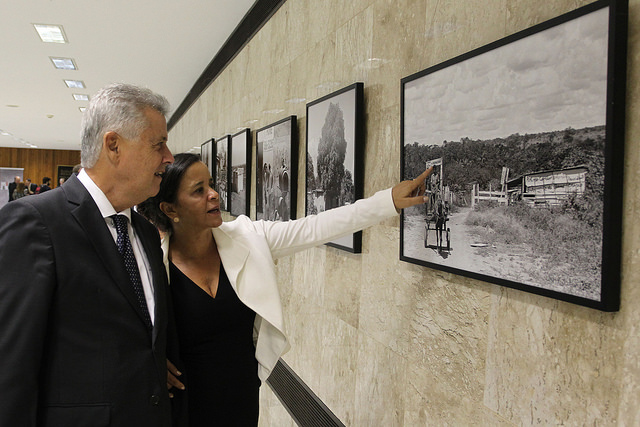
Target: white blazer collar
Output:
[(233, 254)]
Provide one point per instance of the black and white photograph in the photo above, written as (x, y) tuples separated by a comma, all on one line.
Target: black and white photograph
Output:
[(335, 160), (276, 170), (221, 178), (523, 138), (240, 173), (206, 150)]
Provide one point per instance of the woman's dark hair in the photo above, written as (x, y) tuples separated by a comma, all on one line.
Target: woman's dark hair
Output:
[(171, 180)]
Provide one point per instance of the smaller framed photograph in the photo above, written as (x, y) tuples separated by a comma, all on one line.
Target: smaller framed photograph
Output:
[(240, 182), (206, 150), (335, 155), (277, 174), (221, 177)]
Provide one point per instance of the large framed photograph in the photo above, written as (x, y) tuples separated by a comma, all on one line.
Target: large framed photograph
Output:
[(221, 177), (276, 170), (526, 138), (206, 150), (240, 160), (335, 155)]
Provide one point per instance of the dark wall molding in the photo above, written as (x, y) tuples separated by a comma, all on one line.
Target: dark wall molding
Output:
[(304, 406), (258, 15)]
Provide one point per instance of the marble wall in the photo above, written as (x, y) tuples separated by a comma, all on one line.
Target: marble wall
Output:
[(388, 343)]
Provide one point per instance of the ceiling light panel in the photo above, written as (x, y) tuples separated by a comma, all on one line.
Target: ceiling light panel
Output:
[(63, 63), (75, 84), (51, 33), (80, 97)]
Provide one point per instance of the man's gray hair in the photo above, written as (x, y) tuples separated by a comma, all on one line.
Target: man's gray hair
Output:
[(120, 108)]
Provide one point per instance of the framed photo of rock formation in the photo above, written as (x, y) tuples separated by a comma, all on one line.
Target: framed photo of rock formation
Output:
[(335, 155)]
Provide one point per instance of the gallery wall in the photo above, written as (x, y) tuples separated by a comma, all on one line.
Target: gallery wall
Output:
[(385, 342)]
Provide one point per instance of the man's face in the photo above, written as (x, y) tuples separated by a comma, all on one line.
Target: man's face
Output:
[(144, 159)]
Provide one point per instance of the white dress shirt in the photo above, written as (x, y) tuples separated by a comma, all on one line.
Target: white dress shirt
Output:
[(106, 210)]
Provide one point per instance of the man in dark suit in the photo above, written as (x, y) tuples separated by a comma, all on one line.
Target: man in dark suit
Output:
[(79, 345), (30, 186), (12, 186), (46, 182)]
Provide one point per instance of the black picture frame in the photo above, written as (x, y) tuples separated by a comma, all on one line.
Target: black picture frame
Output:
[(335, 141), (221, 171), (240, 173), (206, 154), (64, 172), (276, 170), (536, 120)]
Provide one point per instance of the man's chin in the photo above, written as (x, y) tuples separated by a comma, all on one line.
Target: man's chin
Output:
[(152, 192)]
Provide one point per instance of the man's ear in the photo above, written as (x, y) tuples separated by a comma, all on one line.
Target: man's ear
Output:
[(111, 144)]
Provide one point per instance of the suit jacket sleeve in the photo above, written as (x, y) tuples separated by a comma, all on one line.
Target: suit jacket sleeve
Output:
[(286, 238), (27, 284)]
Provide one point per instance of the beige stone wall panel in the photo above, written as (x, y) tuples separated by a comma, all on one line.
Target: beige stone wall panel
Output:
[(384, 342)]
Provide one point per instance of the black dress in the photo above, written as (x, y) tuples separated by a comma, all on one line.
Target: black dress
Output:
[(216, 347)]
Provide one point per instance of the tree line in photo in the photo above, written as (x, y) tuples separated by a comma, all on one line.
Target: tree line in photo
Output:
[(467, 162)]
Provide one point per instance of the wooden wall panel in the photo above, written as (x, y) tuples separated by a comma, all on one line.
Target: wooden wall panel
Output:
[(38, 163)]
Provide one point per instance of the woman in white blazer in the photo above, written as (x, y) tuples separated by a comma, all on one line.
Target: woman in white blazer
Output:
[(199, 248)]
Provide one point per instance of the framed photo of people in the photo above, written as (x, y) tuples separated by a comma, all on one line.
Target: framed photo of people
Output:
[(335, 155), (276, 170), (206, 150), (240, 173), (221, 177), (526, 137)]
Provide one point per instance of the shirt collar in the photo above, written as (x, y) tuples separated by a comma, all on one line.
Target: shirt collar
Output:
[(104, 205)]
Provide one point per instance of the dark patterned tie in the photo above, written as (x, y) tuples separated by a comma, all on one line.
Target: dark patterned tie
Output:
[(125, 249)]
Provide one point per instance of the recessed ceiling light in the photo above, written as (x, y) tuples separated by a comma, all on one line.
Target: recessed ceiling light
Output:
[(82, 109), (63, 63), (80, 97), (51, 33), (74, 84), (12, 106)]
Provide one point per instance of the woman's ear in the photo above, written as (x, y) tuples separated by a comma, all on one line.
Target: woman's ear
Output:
[(168, 209)]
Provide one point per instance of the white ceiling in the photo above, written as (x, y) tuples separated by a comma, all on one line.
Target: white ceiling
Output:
[(164, 45)]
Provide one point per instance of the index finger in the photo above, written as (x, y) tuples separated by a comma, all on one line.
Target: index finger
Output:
[(424, 175)]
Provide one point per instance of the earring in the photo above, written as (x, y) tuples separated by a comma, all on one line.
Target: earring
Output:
[(176, 219)]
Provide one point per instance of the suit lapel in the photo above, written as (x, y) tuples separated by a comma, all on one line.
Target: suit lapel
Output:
[(85, 211)]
